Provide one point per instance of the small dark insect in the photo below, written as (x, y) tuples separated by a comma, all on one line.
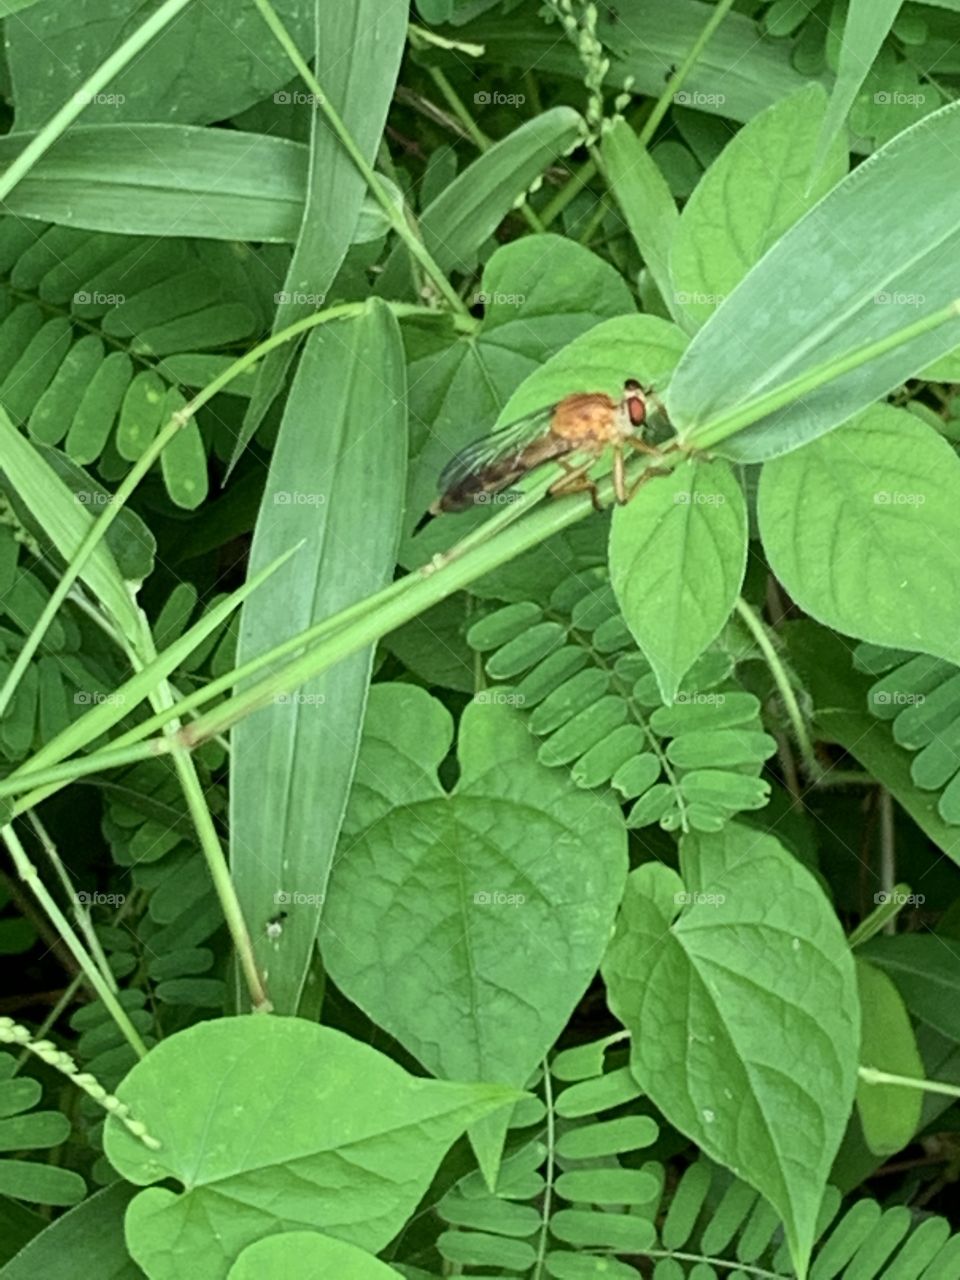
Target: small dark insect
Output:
[(584, 424)]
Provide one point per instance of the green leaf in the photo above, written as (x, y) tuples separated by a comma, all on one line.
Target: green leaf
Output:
[(212, 62), (467, 213), (867, 26), (860, 528), (879, 252), (890, 1114), (93, 1230), (736, 75), (273, 1125), (217, 183), (307, 1255), (757, 188), (926, 971), (66, 522), (338, 484), (757, 946), (646, 202), (678, 551), (442, 904), (365, 34)]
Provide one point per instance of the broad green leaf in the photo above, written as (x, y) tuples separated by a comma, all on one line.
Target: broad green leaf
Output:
[(66, 521), (539, 293), (678, 551), (642, 347), (645, 201), (889, 1114), (462, 217), (925, 969), (92, 1230), (757, 946), (868, 24), (860, 527), (735, 76), (336, 480), (878, 253), (213, 61), (757, 188), (273, 1125), (442, 905), (307, 1255), (367, 34), (157, 178)]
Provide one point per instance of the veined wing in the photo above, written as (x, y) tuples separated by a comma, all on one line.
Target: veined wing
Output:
[(494, 447)]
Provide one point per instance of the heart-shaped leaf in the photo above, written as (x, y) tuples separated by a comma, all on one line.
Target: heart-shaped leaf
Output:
[(275, 1124), (743, 1013)]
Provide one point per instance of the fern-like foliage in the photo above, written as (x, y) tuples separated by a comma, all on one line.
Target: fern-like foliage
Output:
[(582, 1198), (21, 1130), (919, 696), (99, 334), (592, 697)]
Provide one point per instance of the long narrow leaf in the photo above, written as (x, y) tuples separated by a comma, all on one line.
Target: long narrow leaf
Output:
[(336, 479), (878, 253)]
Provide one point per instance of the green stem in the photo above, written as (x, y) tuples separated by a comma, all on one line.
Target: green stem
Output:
[(111, 510), (380, 193), (476, 134), (28, 873), (676, 80), (540, 1264), (391, 608), (56, 776), (871, 1075), (784, 687), (729, 421), (569, 191), (78, 101)]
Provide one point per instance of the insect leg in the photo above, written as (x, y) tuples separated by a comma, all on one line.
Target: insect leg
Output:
[(576, 480), (619, 481)]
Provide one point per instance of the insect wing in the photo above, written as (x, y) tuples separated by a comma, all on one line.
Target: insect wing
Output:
[(493, 447)]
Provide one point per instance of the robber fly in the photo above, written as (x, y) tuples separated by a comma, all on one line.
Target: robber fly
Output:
[(584, 424)]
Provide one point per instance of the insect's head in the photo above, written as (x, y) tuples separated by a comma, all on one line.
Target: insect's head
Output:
[(634, 402)]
